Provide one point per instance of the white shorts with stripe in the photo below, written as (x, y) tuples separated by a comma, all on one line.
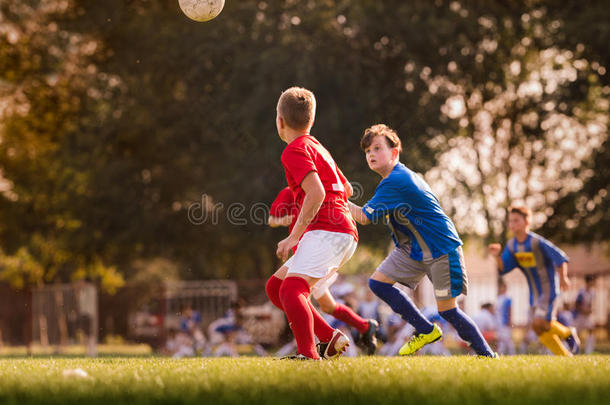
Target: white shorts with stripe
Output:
[(320, 253)]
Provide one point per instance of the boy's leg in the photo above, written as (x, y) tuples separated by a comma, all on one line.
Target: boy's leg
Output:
[(294, 295), (321, 328), (553, 343), (465, 327), (590, 345), (342, 312), (399, 302), (319, 251), (549, 331), (272, 288), (398, 266), (550, 340), (448, 275), (560, 330)]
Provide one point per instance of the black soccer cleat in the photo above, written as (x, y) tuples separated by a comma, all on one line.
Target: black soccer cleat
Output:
[(368, 339)]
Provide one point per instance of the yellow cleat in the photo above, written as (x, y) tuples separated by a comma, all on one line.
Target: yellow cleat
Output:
[(418, 341)]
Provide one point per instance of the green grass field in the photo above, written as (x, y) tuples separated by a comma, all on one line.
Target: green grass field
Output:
[(418, 380)]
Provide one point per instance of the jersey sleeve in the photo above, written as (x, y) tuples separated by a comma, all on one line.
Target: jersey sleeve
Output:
[(282, 204), (508, 260), (386, 199), (298, 163), (551, 251), (341, 176)]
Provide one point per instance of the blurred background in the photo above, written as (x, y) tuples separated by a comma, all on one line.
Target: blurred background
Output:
[(139, 156)]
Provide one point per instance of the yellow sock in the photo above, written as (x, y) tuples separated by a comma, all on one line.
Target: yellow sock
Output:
[(553, 343), (560, 330)]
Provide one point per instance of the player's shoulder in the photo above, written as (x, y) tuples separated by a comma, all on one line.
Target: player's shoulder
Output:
[(302, 144), (540, 239), (510, 244), (295, 147), (404, 177), (399, 176)]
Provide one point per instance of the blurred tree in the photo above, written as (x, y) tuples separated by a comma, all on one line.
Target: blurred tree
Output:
[(583, 215), (130, 132), (52, 101), (527, 115)]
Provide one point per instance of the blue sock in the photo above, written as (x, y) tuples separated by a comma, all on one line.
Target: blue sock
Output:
[(401, 304), (468, 331)]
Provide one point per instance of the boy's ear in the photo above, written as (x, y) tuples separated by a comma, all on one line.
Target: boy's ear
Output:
[(395, 153), (280, 122)]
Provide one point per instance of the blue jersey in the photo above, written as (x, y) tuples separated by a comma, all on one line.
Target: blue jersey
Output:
[(537, 259), (415, 215), (504, 305), (187, 323)]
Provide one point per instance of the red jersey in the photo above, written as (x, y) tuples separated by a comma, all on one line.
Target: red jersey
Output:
[(284, 205), (303, 155)]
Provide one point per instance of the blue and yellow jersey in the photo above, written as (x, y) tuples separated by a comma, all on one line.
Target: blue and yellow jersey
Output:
[(537, 259)]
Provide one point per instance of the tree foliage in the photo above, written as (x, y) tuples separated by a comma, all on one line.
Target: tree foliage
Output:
[(124, 124)]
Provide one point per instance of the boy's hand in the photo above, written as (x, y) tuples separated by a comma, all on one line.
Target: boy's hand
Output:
[(564, 283), (284, 246), (494, 249)]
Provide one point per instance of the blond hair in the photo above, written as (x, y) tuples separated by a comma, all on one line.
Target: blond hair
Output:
[(297, 106)]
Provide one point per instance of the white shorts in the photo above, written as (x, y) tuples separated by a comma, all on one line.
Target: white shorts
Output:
[(321, 252)]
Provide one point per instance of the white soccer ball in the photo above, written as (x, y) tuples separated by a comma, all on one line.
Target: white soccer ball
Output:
[(201, 10)]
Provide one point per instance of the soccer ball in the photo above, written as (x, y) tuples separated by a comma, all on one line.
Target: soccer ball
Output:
[(201, 10)]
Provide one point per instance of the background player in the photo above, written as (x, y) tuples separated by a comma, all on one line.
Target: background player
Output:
[(324, 230), (504, 305), (583, 311), (427, 244), (283, 212), (538, 259)]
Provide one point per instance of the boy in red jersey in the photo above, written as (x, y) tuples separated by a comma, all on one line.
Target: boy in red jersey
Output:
[(283, 212), (324, 229)]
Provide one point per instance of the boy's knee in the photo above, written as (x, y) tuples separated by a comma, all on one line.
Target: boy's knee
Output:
[(376, 287), (285, 289), (540, 326), (327, 308)]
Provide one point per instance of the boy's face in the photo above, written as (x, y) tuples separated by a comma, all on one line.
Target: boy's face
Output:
[(379, 155), (279, 124), (517, 223)]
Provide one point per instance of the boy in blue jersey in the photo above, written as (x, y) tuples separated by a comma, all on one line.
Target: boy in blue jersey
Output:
[(545, 267), (504, 304), (427, 244)]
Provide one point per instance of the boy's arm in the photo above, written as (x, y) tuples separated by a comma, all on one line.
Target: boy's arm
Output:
[(275, 222), (564, 280), (314, 197), (358, 214), (494, 250), (559, 259), (349, 190)]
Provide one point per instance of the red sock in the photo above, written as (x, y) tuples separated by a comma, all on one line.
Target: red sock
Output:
[(347, 315), (321, 328), (273, 291), (294, 294)]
